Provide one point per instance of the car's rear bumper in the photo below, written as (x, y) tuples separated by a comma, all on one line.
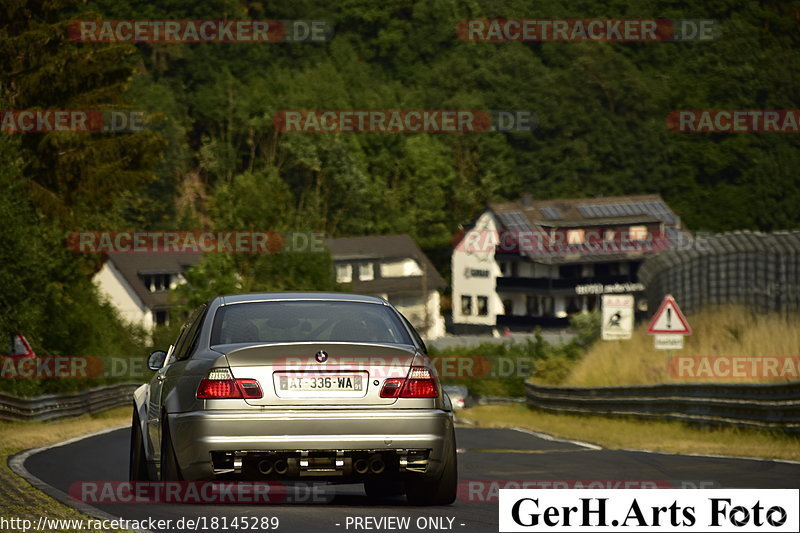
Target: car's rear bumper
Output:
[(196, 435)]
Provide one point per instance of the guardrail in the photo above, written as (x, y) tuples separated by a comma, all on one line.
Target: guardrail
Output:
[(53, 406), (773, 406), (498, 400)]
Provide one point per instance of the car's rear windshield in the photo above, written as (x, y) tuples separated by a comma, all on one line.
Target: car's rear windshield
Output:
[(307, 321)]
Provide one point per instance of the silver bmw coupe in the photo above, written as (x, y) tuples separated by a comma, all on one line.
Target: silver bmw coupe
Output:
[(297, 386)]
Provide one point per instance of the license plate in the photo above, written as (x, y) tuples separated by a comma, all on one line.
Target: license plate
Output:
[(329, 382)]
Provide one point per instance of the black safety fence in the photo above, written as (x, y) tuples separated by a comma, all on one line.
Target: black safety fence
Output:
[(766, 406), (760, 271)]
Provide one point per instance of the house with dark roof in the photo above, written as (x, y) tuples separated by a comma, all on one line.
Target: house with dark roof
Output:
[(394, 268), (534, 263), (138, 284)]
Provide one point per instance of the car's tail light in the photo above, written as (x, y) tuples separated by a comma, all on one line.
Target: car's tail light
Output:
[(391, 387), (221, 385), (420, 383)]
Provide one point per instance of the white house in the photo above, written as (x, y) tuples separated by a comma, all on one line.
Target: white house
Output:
[(534, 263), (138, 284)]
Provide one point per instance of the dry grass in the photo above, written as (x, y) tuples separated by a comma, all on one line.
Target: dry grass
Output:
[(18, 499), (619, 433), (728, 331)]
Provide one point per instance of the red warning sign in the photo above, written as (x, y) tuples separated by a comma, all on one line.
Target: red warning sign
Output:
[(669, 319)]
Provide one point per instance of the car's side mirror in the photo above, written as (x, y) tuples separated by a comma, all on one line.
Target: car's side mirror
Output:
[(156, 360)]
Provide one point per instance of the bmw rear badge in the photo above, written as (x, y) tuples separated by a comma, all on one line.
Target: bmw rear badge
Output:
[(321, 356)]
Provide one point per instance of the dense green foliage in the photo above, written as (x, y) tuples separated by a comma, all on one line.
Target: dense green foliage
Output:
[(500, 370), (602, 109), (54, 182), (211, 157)]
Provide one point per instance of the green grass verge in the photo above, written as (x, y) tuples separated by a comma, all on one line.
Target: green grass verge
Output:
[(626, 433)]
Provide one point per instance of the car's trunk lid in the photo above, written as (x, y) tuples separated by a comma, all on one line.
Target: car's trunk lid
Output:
[(321, 373)]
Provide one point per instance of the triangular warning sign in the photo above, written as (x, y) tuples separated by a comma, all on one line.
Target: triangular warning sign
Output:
[(669, 319), (20, 346)]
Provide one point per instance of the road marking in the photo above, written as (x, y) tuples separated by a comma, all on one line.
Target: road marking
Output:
[(17, 464), (590, 446), (545, 436), (712, 456), (507, 450)]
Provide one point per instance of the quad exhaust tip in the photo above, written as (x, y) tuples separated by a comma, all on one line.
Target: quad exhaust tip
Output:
[(361, 466), (281, 467), (265, 467), (376, 464)]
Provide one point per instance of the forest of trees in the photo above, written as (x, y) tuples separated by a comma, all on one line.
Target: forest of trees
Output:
[(210, 157)]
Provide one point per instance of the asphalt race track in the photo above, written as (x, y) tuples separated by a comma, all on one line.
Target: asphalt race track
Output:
[(487, 457)]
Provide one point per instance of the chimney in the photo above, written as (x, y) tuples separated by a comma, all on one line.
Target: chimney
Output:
[(526, 200)]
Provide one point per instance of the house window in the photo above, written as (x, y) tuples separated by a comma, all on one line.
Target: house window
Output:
[(569, 271), (509, 268), (533, 305), (547, 306), (638, 233), (466, 305), (573, 305), (508, 307), (344, 273), (575, 236), (157, 282), (366, 272), (161, 317), (483, 305), (606, 269)]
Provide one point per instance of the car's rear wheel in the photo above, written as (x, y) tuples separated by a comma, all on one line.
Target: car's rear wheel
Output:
[(378, 489), (441, 491), (137, 470), (170, 470)]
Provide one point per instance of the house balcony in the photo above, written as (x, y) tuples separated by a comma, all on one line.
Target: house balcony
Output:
[(549, 286), (530, 323)]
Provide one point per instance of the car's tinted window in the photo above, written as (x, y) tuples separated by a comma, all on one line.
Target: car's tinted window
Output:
[(181, 338), (307, 321), (188, 339)]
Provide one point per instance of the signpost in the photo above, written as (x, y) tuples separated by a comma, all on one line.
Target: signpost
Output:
[(669, 320), (669, 342), (617, 316), (669, 327)]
